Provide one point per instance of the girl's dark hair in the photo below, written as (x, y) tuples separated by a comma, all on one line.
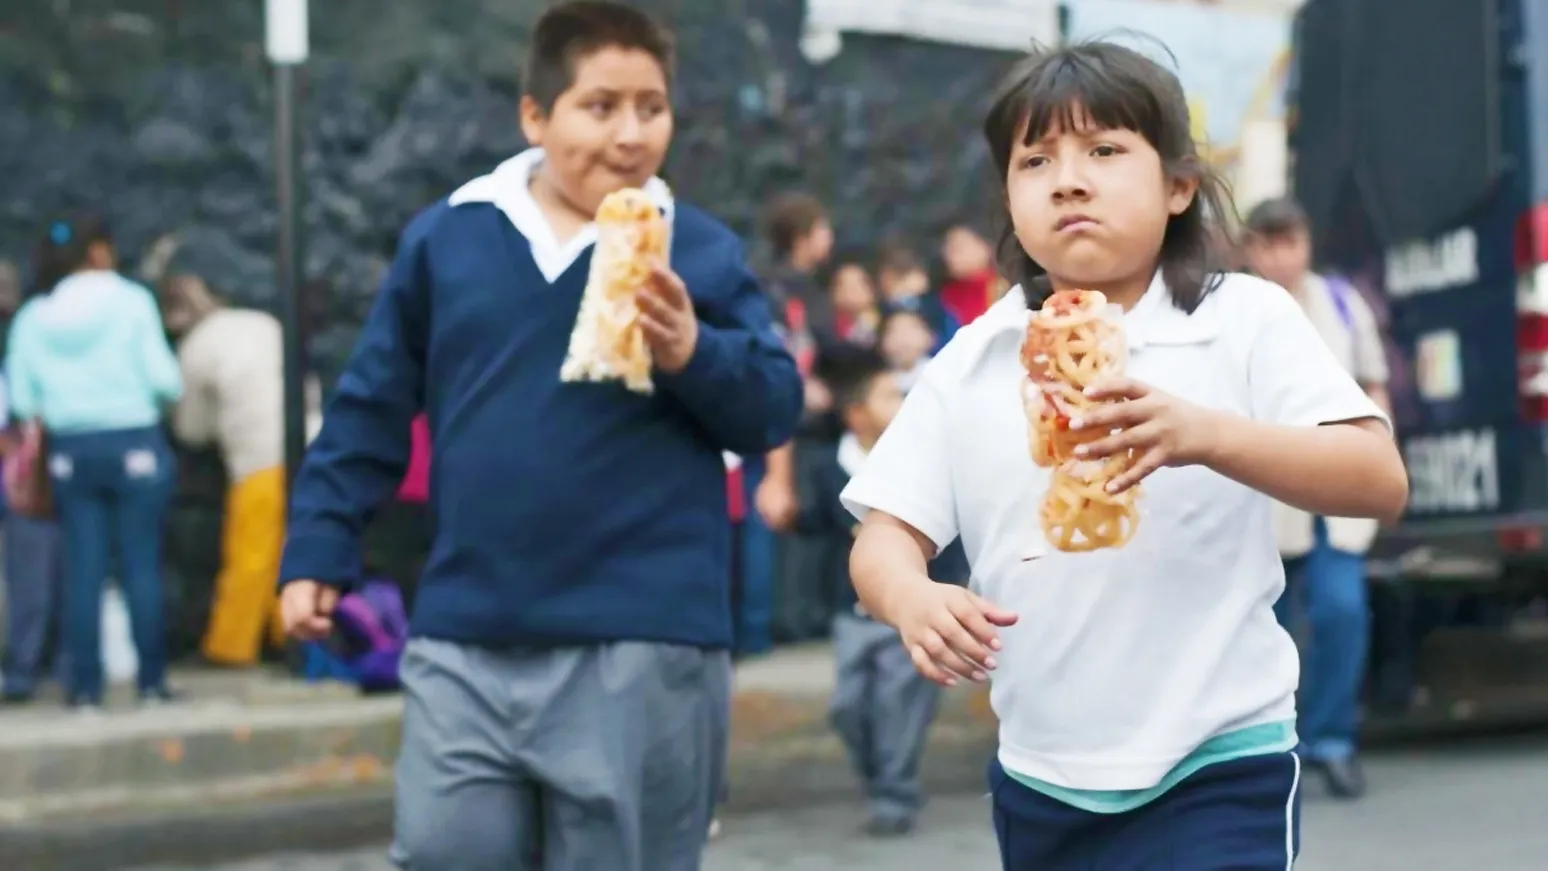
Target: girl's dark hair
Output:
[(65, 246), (1115, 87)]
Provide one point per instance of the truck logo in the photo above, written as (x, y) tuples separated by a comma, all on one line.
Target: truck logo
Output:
[(1428, 266), (1452, 472)]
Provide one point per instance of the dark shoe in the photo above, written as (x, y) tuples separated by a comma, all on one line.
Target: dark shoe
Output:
[(1345, 777), (11, 696), (162, 695), (889, 827)]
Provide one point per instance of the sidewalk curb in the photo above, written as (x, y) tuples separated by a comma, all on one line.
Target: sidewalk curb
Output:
[(782, 755)]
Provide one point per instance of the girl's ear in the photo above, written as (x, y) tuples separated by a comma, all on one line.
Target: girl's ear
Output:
[(1180, 193)]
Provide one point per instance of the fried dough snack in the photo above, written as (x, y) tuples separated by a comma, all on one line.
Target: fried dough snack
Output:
[(607, 343), (1071, 344)]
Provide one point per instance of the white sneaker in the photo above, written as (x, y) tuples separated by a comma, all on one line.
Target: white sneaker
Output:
[(714, 830)]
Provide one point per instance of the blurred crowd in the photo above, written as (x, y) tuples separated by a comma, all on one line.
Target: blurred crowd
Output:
[(900, 302), (104, 376)]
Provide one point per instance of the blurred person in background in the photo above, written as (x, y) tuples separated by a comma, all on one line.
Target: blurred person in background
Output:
[(857, 313), (905, 284), (907, 343), (233, 371), (881, 707), (801, 238), (31, 553), (972, 282), (89, 361), (1325, 556)]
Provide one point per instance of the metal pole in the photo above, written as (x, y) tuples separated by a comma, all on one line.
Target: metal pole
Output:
[(289, 260), (288, 44)]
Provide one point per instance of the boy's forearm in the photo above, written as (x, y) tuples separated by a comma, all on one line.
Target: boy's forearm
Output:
[(1339, 470), (887, 560)]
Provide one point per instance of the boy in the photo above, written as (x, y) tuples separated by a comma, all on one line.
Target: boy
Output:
[(1325, 556), (567, 681), (882, 706), (905, 285)]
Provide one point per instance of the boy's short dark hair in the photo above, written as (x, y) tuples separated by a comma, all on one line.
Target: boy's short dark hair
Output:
[(790, 218), (1276, 218), (850, 371), (897, 257), (570, 31)]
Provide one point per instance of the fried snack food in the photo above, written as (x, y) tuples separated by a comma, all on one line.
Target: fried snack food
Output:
[(1071, 344), (607, 343)]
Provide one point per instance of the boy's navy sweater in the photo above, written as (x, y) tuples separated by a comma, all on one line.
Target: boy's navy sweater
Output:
[(563, 513), (821, 513)]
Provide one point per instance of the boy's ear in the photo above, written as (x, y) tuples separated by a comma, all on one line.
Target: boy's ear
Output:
[(534, 121)]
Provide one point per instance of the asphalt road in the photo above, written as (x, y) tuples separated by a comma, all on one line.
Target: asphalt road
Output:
[(1478, 805)]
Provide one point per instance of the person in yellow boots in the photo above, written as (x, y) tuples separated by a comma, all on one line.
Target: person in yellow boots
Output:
[(233, 374)]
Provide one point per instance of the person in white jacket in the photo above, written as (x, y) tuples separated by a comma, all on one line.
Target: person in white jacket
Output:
[(232, 361)]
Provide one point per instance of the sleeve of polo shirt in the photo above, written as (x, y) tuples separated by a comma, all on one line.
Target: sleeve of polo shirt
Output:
[(908, 473), (1293, 377)]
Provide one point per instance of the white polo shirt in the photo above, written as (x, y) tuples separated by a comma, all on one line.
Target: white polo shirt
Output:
[(1124, 661)]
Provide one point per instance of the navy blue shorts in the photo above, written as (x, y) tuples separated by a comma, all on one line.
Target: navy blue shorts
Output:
[(1243, 815)]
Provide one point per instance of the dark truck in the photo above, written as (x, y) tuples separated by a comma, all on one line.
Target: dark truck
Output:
[(1419, 142)]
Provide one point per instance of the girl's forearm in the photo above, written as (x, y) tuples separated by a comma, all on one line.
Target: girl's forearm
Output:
[(1339, 470), (887, 558)]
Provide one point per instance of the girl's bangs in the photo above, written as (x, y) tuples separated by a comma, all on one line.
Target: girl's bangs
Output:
[(1072, 93)]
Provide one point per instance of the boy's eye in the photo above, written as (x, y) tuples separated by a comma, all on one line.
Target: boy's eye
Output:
[(600, 108), (1104, 150), (1034, 161)]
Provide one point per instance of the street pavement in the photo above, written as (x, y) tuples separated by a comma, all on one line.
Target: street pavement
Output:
[(1473, 805)]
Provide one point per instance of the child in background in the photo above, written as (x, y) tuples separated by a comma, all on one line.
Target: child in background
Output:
[(907, 343), (857, 316), (972, 283), (882, 706), (905, 285)]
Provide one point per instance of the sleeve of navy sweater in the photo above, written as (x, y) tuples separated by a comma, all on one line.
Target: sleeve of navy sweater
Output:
[(359, 457), (740, 384)]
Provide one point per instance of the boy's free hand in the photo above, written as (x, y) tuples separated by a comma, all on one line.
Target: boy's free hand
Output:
[(1159, 428), (306, 607), (667, 319), (949, 631)]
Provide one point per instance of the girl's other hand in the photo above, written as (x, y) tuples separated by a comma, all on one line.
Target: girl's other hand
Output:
[(949, 631), (1159, 428)]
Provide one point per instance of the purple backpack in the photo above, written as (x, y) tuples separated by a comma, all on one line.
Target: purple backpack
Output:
[(371, 628)]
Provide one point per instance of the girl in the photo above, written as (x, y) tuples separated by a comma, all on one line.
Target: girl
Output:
[(1146, 694), (857, 316), (90, 361)]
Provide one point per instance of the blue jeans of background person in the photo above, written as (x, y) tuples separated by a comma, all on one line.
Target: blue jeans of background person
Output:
[(111, 490), (1328, 586), (755, 617), (32, 582)]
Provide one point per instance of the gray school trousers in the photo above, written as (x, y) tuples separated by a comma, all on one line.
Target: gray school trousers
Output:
[(601, 758), (882, 709)]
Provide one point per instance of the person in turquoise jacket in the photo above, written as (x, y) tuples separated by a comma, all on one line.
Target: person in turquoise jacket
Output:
[(88, 358)]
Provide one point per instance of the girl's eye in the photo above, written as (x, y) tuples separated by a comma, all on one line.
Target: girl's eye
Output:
[(1104, 151), (1034, 161)]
